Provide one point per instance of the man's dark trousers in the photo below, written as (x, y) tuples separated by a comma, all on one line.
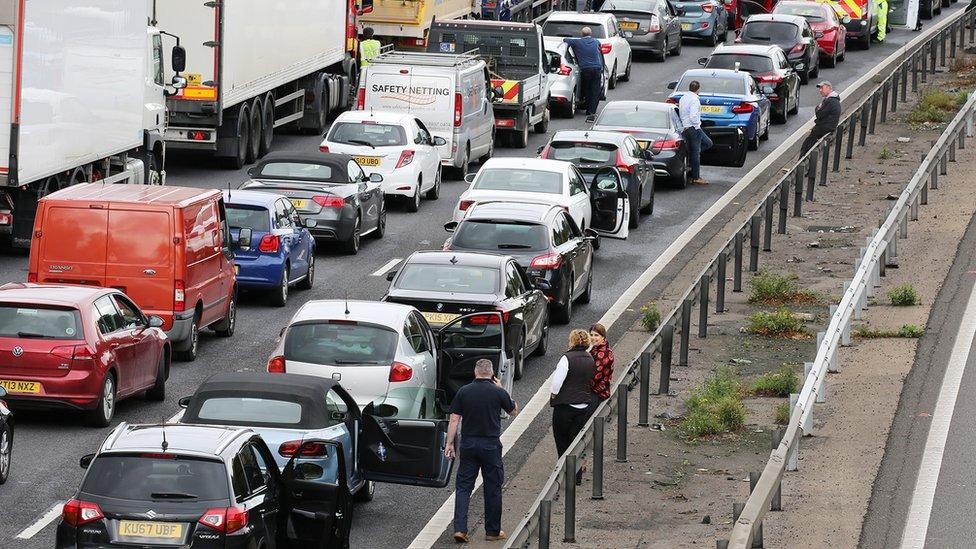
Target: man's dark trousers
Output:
[(484, 454), (592, 86), (698, 141), (811, 140)]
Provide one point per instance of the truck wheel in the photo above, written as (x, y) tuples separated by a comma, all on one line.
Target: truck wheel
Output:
[(542, 126), (239, 160), (154, 169), (267, 133), (520, 139), (254, 139)]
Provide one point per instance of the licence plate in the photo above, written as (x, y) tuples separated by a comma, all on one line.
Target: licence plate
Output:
[(712, 109), (146, 529), (629, 25), (299, 204), (439, 318), (367, 160), (685, 26), (28, 387)]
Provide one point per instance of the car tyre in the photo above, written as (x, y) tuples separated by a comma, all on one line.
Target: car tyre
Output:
[(764, 136), (563, 314), (587, 294), (380, 230), (816, 71), (491, 151), (279, 296), (435, 192), (676, 51), (663, 56), (307, 282), (414, 203), (254, 139), (542, 126), (754, 142), (225, 327), (461, 171), (6, 451), (239, 160), (543, 346), (626, 76), (519, 359), (569, 111), (102, 415), (681, 181), (351, 246), (190, 353), (520, 139), (649, 208), (740, 159), (832, 60), (612, 84), (713, 38), (796, 102), (634, 220), (366, 492), (157, 392)]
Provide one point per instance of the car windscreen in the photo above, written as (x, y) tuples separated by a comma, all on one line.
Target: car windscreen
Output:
[(340, 343), (301, 170), (770, 31), (492, 235), (643, 118), (156, 477), (448, 278), (377, 135), (715, 85), (812, 12), (571, 28), (519, 180), (583, 153), (747, 63), (25, 321), (255, 218)]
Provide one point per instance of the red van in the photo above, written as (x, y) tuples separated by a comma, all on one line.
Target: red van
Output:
[(168, 248)]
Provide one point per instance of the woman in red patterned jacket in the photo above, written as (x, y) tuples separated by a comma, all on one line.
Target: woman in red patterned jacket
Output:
[(603, 356)]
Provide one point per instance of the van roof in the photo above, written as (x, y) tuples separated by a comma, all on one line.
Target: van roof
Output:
[(137, 194)]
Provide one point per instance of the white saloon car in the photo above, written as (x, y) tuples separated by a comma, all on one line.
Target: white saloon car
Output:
[(616, 50), (601, 205), (396, 145)]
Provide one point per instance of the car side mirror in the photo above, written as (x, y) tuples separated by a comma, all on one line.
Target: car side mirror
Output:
[(591, 119), (154, 322), (680, 12), (648, 154), (184, 402), (178, 82), (178, 59), (497, 92), (375, 178), (799, 66), (310, 223), (469, 178), (701, 61), (390, 276), (591, 235), (451, 226), (540, 149), (244, 238), (541, 284), (251, 172), (86, 460), (439, 141), (672, 85)]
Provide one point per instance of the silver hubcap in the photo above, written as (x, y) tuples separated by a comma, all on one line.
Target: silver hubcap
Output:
[(311, 269), (284, 286), (194, 337), (108, 398), (232, 315), (4, 453)]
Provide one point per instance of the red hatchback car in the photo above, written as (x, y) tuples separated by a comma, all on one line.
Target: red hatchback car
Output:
[(78, 348), (828, 29)]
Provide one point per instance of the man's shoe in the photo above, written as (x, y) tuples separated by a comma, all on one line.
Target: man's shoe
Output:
[(699, 181), (501, 535), (461, 537)]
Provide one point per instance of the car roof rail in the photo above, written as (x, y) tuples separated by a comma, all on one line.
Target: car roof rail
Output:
[(113, 437)]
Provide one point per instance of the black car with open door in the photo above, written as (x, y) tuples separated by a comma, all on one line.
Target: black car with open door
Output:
[(610, 203)]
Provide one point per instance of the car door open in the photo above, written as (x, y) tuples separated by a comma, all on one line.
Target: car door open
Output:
[(404, 451), (314, 511), (608, 199), (464, 341)]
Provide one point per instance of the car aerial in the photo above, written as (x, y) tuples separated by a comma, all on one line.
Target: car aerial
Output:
[(657, 128), (768, 64), (732, 106), (790, 32), (546, 181), (396, 145), (703, 19), (211, 486), (647, 25), (544, 241), (82, 348), (590, 151), (443, 286), (616, 50), (6, 437), (272, 248), (828, 28), (334, 197), (565, 94)]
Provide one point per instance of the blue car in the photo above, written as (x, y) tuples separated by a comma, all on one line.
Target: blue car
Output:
[(735, 114), (706, 20), (273, 249)]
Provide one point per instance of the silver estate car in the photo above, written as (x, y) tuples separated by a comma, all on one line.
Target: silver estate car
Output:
[(565, 93)]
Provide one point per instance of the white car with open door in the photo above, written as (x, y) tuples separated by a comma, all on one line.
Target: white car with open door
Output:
[(397, 145), (617, 55)]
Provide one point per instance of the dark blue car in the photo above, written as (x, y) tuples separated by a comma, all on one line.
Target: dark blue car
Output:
[(273, 249)]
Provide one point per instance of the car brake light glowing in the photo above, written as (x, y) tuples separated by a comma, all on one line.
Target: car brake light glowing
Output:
[(270, 244), (6, 219), (464, 205), (276, 365), (311, 449), (224, 520), (323, 148), (329, 201), (743, 108), (400, 372), (606, 48), (565, 70), (361, 99), (406, 157), (76, 512), (621, 165), (458, 104), (179, 296), (798, 48), (547, 261)]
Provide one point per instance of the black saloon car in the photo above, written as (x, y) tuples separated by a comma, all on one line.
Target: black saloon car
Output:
[(768, 64), (790, 32), (6, 437), (445, 285), (544, 240), (335, 199)]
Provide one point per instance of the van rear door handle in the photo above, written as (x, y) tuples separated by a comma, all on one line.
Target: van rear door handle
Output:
[(149, 272)]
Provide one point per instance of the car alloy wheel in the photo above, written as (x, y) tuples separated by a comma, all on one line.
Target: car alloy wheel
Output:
[(6, 449), (102, 415), (414, 203), (306, 283), (280, 297), (519, 358), (225, 328)]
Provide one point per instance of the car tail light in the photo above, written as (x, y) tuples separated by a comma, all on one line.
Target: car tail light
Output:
[(6, 219), (457, 110), (743, 108), (606, 48), (671, 100), (666, 145), (76, 512), (547, 261), (769, 78), (323, 148), (179, 296), (622, 166), (276, 365), (312, 449), (798, 48), (80, 355), (545, 152), (361, 99), (565, 70), (224, 520), (655, 25), (406, 157), (707, 7), (31, 277), (329, 201), (400, 372), (465, 204), (481, 320), (504, 122), (270, 244)]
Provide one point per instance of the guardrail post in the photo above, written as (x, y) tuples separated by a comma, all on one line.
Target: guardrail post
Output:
[(685, 332), (970, 122), (737, 511), (667, 344), (791, 456), (923, 194), (962, 140), (893, 247), (545, 517), (838, 142), (811, 172), (721, 544), (920, 53), (807, 368), (895, 77), (599, 429), (904, 82), (737, 262), (924, 54), (952, 151), (862, 138), (825, 149), (754, 227), (720, 282), (952, 41), (645, 389), (569, 485), (914, 208), (703, 285), (972, 28), (757, 540), (621, 426), (797, 192), (903, 226), (768, 225), (874, 112), (776, 502), (943, 163), (784, 205), (942, 50), (932, 57), (884, 101), (851, 127)]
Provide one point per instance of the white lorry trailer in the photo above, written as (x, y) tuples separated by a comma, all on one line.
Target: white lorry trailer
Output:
[(257, 65), (82, 98)]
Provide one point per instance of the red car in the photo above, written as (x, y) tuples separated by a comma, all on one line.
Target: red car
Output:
[(78, 348), (828, 30)]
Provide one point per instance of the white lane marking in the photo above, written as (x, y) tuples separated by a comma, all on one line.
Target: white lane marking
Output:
[(928, 472), (32, 530), (176, 417), (386, 267)]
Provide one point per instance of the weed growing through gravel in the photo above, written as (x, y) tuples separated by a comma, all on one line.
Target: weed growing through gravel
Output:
[(885, 154), (779, 323), (770, 288), (904, 296), (715, 406), (650, 317), (936, 106), (782, 414), (909, 331), (780, 383)]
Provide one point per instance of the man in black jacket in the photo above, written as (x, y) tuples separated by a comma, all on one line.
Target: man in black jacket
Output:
[(827, 117)]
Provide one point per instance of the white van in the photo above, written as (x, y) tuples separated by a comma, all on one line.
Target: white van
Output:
[(449, 93)]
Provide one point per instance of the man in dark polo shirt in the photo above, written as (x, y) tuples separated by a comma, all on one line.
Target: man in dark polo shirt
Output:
[(480, 404)]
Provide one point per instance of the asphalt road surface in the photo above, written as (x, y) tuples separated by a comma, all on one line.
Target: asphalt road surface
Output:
[(45, 468)]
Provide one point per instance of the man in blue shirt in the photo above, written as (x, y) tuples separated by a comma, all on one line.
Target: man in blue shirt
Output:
[(589, 57), (689, 110), (480, 404)]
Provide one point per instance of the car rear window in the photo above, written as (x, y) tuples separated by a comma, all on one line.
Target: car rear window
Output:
[(254, 217), (248, 410), (813, 11), (340, 343), (583, 153), (490, 235), (448, 278), (770, 31), (715, 85), (629, 5), (362, 133), (571, 28), (519, 180), (748, 63), (300, 170), (23, 321), (156, 477), (644, 118)]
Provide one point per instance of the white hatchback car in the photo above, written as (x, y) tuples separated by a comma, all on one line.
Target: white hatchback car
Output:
[(616, 50), (398, 146)]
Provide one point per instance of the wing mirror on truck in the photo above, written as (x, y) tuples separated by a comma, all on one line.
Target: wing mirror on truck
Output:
[(497, 92), (178, 59)]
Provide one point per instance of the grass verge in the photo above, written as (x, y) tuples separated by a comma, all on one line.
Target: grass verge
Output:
[(779, 323), (715, 406), (780, 383), (910, 331), (769, 288)]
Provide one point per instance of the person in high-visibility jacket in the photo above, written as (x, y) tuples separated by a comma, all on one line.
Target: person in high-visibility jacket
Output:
[(369, 47), (882, 7)]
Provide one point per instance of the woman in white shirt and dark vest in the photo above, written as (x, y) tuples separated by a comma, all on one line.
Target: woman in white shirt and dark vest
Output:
[(571, 392)]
